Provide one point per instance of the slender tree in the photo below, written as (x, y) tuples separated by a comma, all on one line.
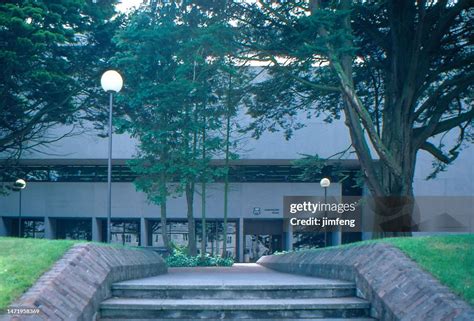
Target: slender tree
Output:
[(238, 79), (153, 102), (226, 165), (171, 55)]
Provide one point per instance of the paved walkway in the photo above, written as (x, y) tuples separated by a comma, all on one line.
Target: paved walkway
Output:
[(240, 274)]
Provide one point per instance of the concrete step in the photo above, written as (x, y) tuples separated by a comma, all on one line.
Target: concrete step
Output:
[(319, 319), (316, 308), (154, 291)]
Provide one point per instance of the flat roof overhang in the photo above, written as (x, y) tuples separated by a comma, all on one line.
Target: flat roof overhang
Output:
[(348, 163)]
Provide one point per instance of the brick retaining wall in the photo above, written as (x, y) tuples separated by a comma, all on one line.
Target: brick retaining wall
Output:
[(395, 285), (81, 279)]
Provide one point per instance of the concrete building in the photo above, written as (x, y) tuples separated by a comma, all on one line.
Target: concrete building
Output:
[(66, 192)]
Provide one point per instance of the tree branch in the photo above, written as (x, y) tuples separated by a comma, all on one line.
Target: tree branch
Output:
[(302, 80), (448, 124), (444, 19), (432, 128), (436, 152), (366, 120), (434, 99)]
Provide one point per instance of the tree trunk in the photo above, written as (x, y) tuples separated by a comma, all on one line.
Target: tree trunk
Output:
[(394, 211), (163, 196), (203, 219), (390, 178), (226, 195), (226, 179), (191, 223), (190, 183), (203, 193)]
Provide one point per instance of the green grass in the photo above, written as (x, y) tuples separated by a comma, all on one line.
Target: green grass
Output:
[(450, 259), (23, 261)]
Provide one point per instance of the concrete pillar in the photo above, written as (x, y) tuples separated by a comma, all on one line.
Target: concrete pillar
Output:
[(96, 230), (240, 257), (336, 237), (366, 236), (288, 236), (3, 227), (143, 232), (49, 228)]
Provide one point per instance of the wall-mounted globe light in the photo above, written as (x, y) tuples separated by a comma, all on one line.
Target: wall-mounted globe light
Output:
[(111, 81), (325, 182), (19, 184)]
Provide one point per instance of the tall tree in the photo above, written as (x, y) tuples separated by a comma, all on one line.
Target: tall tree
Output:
[(401, 72), (170, 54), (227, 158), (51, 55), (152, 102), (234, 90)]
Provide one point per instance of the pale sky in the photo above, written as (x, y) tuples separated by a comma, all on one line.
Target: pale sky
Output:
[(126, 5)]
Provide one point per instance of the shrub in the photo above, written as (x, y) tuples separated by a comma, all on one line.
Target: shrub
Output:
[(179, 258)]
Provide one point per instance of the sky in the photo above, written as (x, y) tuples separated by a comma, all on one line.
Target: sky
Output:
[(126, 5)]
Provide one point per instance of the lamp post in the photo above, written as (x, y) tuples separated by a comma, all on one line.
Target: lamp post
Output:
[(111, 82), (18, 186), (325, 183)]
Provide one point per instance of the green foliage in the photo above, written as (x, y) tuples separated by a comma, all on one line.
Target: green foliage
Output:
[(51, 53), (408, 64), (180, 258), (314, 168), (173, 58)]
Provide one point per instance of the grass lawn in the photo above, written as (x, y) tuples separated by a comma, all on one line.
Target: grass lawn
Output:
[(22, 261), (448, 258)]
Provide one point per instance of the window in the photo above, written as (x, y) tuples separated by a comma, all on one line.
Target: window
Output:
[(125, 232), (74, 229), (214, 235), (33, 228), (177, 233)]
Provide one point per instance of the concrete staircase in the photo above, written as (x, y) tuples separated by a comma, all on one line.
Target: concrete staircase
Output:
[(322, 300)]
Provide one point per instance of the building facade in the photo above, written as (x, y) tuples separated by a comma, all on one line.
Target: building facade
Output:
[(66, 193)]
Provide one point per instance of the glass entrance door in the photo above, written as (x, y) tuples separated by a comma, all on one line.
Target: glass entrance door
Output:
[(257, 246)]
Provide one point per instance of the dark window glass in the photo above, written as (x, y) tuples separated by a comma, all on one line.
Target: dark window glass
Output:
[(74, 229), (33, 228), (178, 235), (123, 173), (257, 246), (307, 240), (125, 232), (215, 240)]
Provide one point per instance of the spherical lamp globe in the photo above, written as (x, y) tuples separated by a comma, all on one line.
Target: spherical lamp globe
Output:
[(111, 81), (325, 182), (20, 183)]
